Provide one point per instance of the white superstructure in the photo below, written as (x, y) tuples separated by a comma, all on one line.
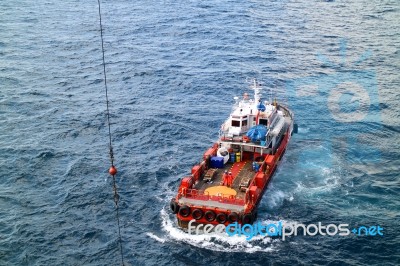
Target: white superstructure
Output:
[(270, 119)]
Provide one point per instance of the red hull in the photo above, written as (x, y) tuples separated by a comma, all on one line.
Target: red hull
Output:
[(191, 203)]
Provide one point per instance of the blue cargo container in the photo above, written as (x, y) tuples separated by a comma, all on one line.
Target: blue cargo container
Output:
[(217, 162)]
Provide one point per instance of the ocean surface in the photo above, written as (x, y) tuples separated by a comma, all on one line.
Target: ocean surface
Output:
[(173, 68)]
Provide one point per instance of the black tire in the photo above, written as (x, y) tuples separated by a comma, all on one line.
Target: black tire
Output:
[(210, 216), (184, 211), (222, 218), (247, 218), (233, 217), (197, 214), (174, 206)]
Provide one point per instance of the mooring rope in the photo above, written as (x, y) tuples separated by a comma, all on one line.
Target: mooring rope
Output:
[(113, 170)]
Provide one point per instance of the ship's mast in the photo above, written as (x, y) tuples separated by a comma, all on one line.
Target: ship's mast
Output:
[(257, 91)]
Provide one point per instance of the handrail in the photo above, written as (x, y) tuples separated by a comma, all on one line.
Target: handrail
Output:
[(203, 195)]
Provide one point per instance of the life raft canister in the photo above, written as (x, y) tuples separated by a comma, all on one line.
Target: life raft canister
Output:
[(223, 152), (174, 206), (210, 216), (184, 211), (197, 214)]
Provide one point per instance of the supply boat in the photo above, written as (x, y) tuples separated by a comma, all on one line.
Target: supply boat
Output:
[(227, 185)]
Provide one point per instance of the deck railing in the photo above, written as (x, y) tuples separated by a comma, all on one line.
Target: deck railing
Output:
[(203, 195)]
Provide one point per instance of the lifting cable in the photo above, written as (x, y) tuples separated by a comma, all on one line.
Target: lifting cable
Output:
[(112, 170)]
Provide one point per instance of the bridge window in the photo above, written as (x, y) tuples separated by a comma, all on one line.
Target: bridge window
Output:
[(235, 123)]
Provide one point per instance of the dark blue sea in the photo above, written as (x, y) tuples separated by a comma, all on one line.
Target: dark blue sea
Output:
[(173, 68)]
